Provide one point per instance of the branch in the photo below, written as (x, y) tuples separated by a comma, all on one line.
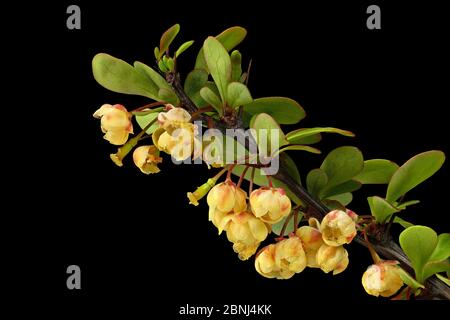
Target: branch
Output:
[(388, 248)]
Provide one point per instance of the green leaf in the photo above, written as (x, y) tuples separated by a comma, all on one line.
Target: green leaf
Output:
[(300, 134), (342, 164), (264, 127), (333, 204), (377, 171), (162, 66), (443, 279), (167, 38), (433, 267), (418, 243), (298, 148), (183, 48), (343, 198), (156, 52), (413, 172), (291, 168), (229, 38), (144, 120), (236, 65), (167, 96), (409, 281), (403, 205), (277, 227), (442, 250), (381, 209), (316, 181), (405, 224), (348, 186), (118, 76), (195, 81), (283, 110), (219, 64), (238, 95), (209, 96), (309, 139)]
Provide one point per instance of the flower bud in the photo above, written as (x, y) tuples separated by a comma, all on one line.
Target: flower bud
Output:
[(146, 158), (200, 192), (332, 259), (337, 228), (289, 255), (226, 197), (382, 279), (115, 123), (270, 204), (245, 232), (312, 241)]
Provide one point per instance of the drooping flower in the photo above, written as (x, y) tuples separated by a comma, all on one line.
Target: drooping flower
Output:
[(245, 231), (146, 158), (312, 241), (270, 204), (115, 123), (332, 259), (382, 279), (225, 198), (338, 228)]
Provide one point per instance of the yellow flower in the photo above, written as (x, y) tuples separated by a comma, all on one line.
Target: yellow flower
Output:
[(332, 259), (382, 279), (338, 228), (245, 232), (281, 260), (115, 123), (270, 204), (312, 241), (146, 158), (180, 143), (173, 119)]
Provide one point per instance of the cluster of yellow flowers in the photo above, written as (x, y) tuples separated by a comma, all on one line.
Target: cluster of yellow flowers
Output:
[(175, 135), (314, 246), (246, 225)]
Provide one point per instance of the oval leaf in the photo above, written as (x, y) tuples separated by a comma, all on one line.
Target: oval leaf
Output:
[(342, 164), (236, 65), (183, 48), (144, 120), (238, 95), (229, 38), (418, 243), (316, 181), (348, 186), (167, 38), (377, 171), (381, 209), (283, 110), (298, 135), (209, 96), (265, 129), (219, 64), (118, 76), (195, 81), (413, 172), (344, 198)]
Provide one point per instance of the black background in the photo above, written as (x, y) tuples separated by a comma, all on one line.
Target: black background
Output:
[(139, 244)]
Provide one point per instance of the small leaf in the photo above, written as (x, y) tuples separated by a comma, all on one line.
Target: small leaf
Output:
[(342, 164), (277, 227), (348, 186), (377, 171), (413, 172), (309, 139), (409, 281), (156, 52), (236, 65), (238, 95), (229, 38), (418, 243), (144, 120), (118, 76), (316, 181), (403, 205), (265, 129), (167, 38), (283, 110), (183, 48), (209, 96), (219, 64), (381, 209), (195, 80), (405, 224), (298, 148), (343, 198), (442, 250), (300, 134), (443, 279)]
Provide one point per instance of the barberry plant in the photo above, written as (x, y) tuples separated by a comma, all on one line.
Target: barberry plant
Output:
[(310, 219)]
